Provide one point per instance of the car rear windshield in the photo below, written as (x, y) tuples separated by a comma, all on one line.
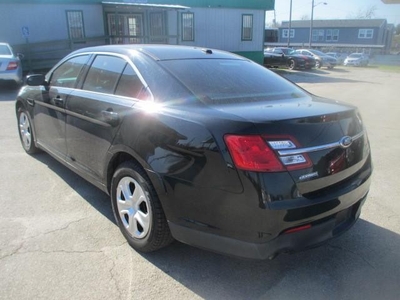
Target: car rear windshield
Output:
[(229, 81), (355, 55), (4, 50)]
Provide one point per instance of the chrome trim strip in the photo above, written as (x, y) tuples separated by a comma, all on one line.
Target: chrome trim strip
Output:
[(318, 148)]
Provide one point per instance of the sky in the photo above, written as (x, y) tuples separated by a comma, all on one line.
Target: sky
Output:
[(335, 9)]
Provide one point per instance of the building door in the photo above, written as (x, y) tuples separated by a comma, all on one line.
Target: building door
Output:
[(125, 28), (135, 28)]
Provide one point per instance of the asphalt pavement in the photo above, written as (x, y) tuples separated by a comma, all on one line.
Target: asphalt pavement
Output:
[(58, 239)]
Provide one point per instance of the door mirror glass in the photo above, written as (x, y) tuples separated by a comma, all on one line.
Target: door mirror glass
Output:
[(35, 80)]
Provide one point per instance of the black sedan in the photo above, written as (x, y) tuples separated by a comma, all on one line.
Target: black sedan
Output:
[(201, 146), (287, 57)]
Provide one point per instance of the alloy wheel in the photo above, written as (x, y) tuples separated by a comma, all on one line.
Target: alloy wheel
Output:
[(25, 130)]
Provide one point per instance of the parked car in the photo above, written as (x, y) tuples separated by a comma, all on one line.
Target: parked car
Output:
[(201, 145), (340, 57), (321, 59), (281, 56), (10, 65), (356, 59)]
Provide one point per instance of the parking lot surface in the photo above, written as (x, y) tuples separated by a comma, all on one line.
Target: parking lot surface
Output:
[(58, 239)]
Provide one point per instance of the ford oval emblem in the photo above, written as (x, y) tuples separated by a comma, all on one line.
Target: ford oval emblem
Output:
[(346, 142)]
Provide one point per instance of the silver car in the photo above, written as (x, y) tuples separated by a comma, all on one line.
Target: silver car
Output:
[(321, 59), (356, 59), (10, 65)]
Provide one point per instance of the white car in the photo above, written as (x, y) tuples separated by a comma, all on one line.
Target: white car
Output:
[(10, 65), (340, 57), (356, 59)]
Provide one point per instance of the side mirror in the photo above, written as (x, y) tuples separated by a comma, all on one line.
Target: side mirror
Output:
[(283, 55), (36, 80), (20, 55)]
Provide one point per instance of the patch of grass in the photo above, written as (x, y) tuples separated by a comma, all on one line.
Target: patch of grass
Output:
[(386, 68)]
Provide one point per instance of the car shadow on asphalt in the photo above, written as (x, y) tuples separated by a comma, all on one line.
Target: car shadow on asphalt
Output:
[(94, 196), (367, 253), (7, 92)]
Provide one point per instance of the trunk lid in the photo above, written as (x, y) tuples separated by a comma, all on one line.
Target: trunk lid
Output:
[(329, 135)]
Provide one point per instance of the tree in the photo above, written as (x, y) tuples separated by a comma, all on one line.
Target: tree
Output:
[(397, 29), (305, 17), (367, 13)]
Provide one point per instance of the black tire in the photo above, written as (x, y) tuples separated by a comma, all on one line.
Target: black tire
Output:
[(318, 64), (132, 216), (292, 64), (25, 130)]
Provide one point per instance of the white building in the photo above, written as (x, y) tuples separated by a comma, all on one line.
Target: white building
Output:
[(45, 31)]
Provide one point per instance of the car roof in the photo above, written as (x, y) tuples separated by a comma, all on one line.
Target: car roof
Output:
[(162, 52)]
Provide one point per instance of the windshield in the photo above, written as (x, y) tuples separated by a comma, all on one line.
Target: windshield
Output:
[(4, 50), (355, 55), (229, 81)]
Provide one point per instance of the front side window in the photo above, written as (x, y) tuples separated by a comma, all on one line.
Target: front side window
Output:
[(104, 74), (187, 27), (75, 24), (318, 35), (247, 27), (365, 33), (66, 75), (285, 33)]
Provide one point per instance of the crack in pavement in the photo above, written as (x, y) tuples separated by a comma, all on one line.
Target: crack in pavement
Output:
[(25, 239), (352, 252)]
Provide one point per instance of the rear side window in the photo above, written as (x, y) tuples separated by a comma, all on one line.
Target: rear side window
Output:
[(67, 73), (104, 73), (129, 84)]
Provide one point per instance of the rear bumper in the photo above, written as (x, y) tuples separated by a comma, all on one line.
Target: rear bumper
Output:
[(323, 228), (15, 76)]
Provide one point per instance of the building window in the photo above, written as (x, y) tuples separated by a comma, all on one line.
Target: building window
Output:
[(157, 28), (187, 27), (318, 35), (365, 33), (247, 27), (332, 35), (75, 24), (285, 33)]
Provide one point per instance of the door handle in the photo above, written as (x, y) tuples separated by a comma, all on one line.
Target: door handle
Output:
[(58, 100), (110, 117)]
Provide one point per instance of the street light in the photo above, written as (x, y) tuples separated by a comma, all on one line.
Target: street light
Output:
[(312, 17), (290, 24)]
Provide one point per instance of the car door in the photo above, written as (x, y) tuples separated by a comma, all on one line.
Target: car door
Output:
[(49, 109), (95, 112), (279, 57)]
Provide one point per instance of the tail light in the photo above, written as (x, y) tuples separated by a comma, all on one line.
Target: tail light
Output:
[(260, 153), (12, 65)]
